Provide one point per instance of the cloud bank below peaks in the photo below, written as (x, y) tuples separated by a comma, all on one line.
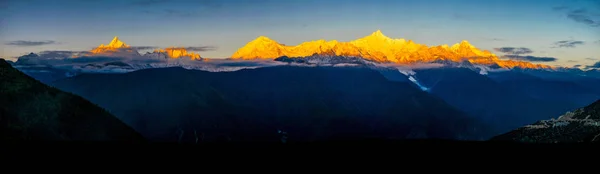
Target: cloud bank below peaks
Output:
[(74, 62)]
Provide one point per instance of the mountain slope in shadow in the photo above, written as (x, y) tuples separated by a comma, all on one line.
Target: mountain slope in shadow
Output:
[(573, 93), (502, 107), (283, 103), (30, 110)]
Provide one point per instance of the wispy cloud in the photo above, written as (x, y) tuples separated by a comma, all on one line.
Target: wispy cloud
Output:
[(576, 66), (102, 64), (595, 65), (514, 50), (530, 58), (144, 47), (558, 8), (518, 53), (150, 7), (201, 48), (171, 13), (572, 61), (188, 48), (148, 2), (567, 43), (580, 15), (179, 13), (589, 58), (30, 43), (39, 58)]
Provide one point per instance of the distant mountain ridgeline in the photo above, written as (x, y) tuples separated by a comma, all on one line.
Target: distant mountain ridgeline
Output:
[(378, 48)]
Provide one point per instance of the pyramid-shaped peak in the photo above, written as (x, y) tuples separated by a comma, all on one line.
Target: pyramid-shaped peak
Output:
[(465, 42), (264, 38), (116, 43), (378, 32), (377, 35)]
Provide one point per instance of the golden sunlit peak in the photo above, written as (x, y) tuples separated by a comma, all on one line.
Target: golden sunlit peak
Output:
[(465, 42), (178, 52), (116, 43), (379, 48), (377, 33), (113, 46), (264, 39)]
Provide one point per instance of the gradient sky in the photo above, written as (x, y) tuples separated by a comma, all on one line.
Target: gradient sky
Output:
[(79, 25)]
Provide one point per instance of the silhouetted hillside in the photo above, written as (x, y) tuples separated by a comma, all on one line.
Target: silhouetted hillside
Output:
[(30, 110), (284, 103), (581, 125)]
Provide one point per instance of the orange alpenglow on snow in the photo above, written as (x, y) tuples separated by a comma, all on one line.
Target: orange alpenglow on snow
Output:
[(174, 52), (114, 46), (379, 48)]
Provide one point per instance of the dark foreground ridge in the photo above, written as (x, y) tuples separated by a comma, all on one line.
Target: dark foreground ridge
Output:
[(32, 111), (374, 144), (581, 125)]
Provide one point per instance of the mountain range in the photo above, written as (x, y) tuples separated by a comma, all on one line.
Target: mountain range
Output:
[(373, 87), (378, 48)]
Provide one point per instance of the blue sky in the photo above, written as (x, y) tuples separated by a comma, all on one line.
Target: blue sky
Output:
[(39, 25)]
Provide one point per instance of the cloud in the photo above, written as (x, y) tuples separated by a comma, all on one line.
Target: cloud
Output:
[(589, 58), (178, 13), (583, 16), (65, 60), (148, 2), (201, 48), (595, 65), (513, 50), (576, 66), (572, 61), (567, 43), (30, 43), (530, 58), (171, 13), (144, 47), (150, 7), (559, 8), (54, 54), (597, 42)]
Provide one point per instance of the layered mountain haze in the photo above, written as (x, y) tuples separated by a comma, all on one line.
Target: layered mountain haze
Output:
[(379, 48)]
